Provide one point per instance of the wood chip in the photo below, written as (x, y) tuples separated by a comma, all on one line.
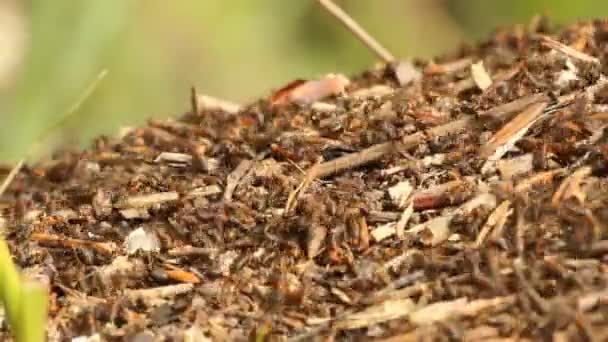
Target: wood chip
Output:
[(510, 168), (172, 157), (386, 311), (375, 91), (442, 195), (571, 187), (439, 311), (234, 178), (43, 239), (159, 292), (142, 239), (384, 231), (400, 192), (404, 219), (496, 221), (406, 72), (148, 200), (206, 102), (308, 92), (503, 140), (205, 191), (434, 231), (480, 76), (449, 67)]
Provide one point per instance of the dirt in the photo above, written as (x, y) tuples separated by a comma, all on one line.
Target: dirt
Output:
[(411, 202)]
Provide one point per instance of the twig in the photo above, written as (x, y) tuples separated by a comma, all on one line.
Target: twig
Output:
[(447, 68), (503, 140), (495, 221), (233, 179), (513, 106), (148, 200), (371, 154), (571, 187), (442, 195), (357, 30), (340, 164), (544, 177), (568, 51), (194, 107), (9, 178), (107, 248), (206, 102), (159, 292)]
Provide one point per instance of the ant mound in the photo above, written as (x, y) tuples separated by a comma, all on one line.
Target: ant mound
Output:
[(461, 198)]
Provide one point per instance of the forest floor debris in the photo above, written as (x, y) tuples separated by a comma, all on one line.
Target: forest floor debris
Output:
[(460, 198)]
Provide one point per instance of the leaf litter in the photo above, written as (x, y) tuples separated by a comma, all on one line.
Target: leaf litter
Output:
[(463, 198)]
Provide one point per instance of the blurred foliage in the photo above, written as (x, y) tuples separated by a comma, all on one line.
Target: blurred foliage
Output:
[(238, 50)]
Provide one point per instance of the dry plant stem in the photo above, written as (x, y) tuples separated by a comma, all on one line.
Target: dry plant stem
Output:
[(447, 68), (440, 195), (571, 187), (537, 178), (357, 30), (194, 107), (568, 51), (144, 201), (513, 106), (9, 178), (206, 102), (495, 221), (371, 154), (339, 164), (160, 292), (58, 241), (511, 132), (235, 176), (481, 76)]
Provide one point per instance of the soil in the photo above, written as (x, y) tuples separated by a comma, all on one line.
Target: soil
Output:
[(439, 200)]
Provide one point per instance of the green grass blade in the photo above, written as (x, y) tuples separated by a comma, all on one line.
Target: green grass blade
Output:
[(31, 325), (10, 287)]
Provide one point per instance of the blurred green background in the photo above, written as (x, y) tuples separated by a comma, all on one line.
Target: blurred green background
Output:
[(238, 50)]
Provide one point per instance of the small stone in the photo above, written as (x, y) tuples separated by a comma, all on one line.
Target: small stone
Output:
[(143, 240)]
